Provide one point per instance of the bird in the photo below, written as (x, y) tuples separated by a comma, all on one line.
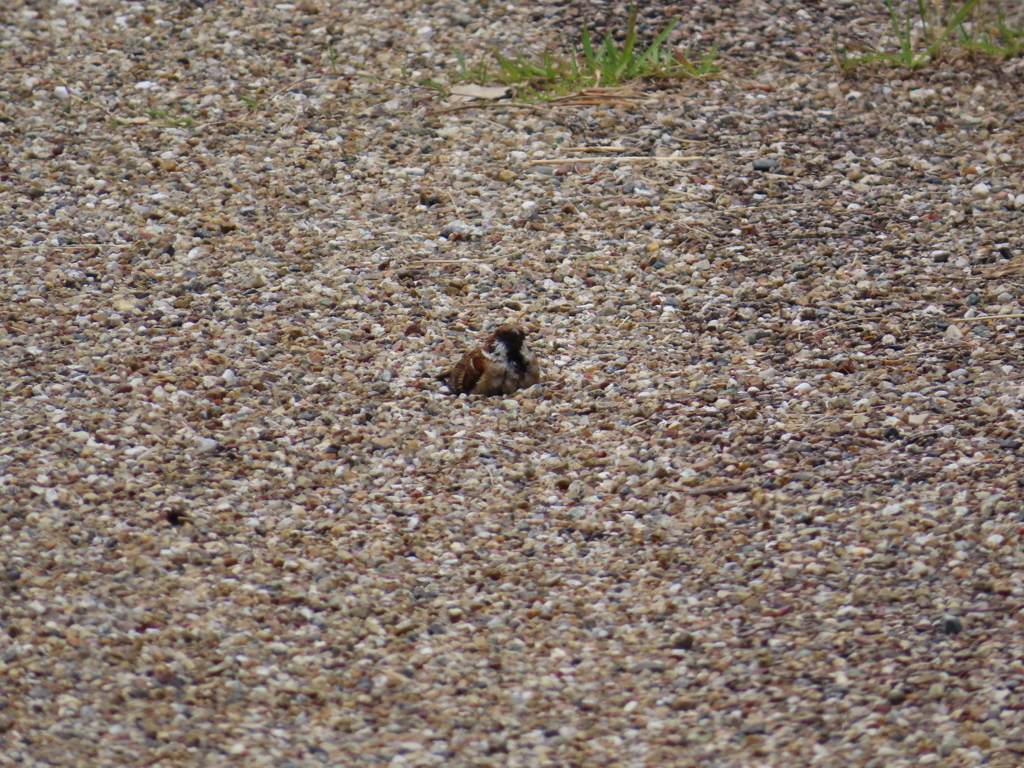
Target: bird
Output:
[(501, 366)]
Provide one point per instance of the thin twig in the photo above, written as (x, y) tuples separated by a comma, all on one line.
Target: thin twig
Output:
[(288, 87), (482, 260), (683, 199), (96, 104), (381, 78), (712, 490), (598, 101), (995, 168), (695, 230), (595, 95), (72, 247), (225, 121), (985, 317), (619, 149), (629, 158), (485, 121), (594, 149), (489, 105), (452, 198), (794, 204)]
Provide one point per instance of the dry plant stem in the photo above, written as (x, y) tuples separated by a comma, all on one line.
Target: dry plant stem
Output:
[(990, 171), (97, 105), (626, 158), (291, 85), (711, 490), (485, 121), (986, 317), (233, 119), (619, 149), (488, 105), (72, 247), (454, 204), (482, 260), (595, 102), (368, 76), (682, 199), (595, 150), (769, 207)]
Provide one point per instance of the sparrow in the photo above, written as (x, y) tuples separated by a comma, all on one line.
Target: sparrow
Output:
[(501, 366)]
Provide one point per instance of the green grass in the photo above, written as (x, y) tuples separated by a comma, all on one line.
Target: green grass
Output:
[(477, 73), (617, 66), (442, 91), (995, 38), (922, 31), (547, 75), (165, 115)]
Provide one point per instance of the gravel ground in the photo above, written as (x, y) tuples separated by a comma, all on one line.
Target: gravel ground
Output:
[(764, 508)]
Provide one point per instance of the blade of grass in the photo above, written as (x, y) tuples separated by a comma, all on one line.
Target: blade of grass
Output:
[(606, 64), (903, 33), (627, 53), (707, 64), (907, 38), (957, 20), (588, 49), (652, 58), (922, 11), (608, 57), (653, 48)]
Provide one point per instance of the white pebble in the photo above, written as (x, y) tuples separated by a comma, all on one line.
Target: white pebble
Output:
[(918, 569), (922, 96), (206, 444)]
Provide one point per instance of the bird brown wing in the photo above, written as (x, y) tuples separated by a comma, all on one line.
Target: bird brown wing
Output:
[(466, 373)]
